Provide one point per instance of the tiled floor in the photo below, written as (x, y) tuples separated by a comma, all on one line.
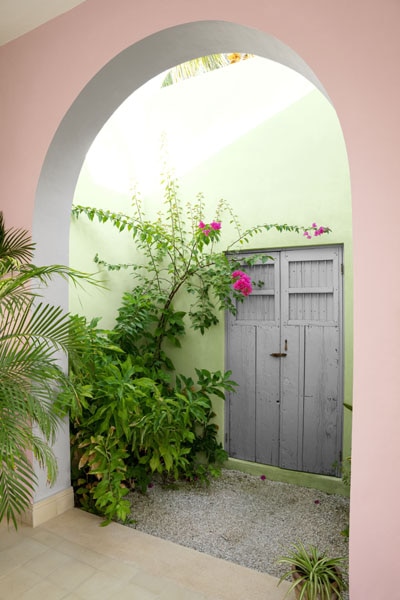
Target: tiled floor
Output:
[(72, 558)]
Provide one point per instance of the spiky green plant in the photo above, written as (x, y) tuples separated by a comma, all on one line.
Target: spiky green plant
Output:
[(33, 334), (315, 575)]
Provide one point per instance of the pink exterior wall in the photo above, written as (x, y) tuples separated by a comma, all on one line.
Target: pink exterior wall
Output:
[(353, 47)]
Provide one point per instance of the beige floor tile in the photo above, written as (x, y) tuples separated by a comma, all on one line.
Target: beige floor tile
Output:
[(71, 574), (7, 564), (24, 550), (153, 583), (173, 592), (44, 537), (20, 580), (8, 538), (45, 590), (100, 586), (122, 570), (82, 553), (134, 592), (47, 562)]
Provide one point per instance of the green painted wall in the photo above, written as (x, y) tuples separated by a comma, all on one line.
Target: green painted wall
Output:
[(289, 168)]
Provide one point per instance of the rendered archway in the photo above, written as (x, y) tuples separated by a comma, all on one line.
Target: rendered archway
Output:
[(96, 103)]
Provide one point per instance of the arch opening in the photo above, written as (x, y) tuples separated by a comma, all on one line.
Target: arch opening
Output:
[(97, 102)]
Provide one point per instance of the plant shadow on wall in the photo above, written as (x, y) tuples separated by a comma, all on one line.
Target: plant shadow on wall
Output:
[(33, 336), (132, 414)]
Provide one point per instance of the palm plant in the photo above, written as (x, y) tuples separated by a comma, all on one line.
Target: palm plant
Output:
[(33, 335)]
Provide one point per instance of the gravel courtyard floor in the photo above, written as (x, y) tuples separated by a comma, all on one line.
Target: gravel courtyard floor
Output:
[(243, 518)]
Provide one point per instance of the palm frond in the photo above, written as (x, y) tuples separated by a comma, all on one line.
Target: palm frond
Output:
[(23, 407), (30, 279), (17, 482), (17, 475), (202, 64), (195, 67), (16, 247), (42, 326)]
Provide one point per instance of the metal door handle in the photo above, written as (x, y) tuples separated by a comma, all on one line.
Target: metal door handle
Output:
[(278, 354)]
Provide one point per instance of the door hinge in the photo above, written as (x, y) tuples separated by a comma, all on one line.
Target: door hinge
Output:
[(342, 268)]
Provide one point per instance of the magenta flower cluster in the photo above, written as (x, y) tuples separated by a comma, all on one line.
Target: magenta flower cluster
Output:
[(208, 228), (317, 231), (242, 283)]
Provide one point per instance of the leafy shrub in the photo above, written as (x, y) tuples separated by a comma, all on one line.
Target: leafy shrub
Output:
[(126, 425)]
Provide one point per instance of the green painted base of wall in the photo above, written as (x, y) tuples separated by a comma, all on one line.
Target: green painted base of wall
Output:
[(324, 483)]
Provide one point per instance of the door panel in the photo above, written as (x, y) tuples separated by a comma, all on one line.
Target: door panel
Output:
[(252, 335), (288, 409)]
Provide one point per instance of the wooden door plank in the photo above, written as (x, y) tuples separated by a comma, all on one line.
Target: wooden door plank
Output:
[(241, 403), (267, 395), (321, 400), (291, 407)]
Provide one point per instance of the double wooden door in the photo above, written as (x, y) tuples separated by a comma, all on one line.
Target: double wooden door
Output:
[(284, 348)]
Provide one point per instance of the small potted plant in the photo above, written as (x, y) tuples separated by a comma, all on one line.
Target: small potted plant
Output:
[(315, 576)]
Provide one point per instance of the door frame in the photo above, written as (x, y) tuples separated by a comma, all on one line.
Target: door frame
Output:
[(341, 375)]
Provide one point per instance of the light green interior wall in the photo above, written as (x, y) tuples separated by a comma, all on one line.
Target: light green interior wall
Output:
[(291, 168)]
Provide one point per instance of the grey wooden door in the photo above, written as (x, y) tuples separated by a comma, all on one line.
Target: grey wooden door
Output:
[(284, 349)]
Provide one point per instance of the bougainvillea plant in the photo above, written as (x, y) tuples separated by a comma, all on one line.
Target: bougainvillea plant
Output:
[(132, 414), (183, 252)]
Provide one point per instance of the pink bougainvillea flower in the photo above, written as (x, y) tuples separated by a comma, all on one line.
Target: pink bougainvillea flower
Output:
[(202, 225), (319, 231), (247, 291), (316, 231), (239, 284), (243, 286), (215, 225), (242, 283), (240, 274), (206, 231)]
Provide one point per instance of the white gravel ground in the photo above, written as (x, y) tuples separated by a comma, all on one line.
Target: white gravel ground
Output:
[(243, 518)]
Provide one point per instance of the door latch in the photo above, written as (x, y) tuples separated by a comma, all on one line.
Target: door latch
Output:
[(278, 354)]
